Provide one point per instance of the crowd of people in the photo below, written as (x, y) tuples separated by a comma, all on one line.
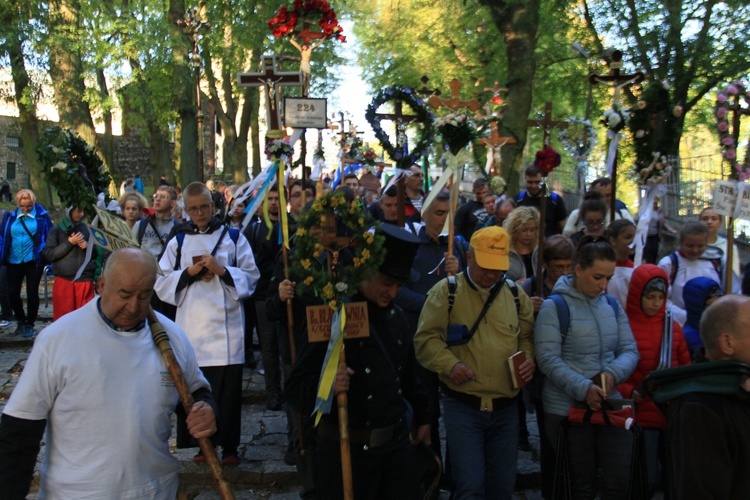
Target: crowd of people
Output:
[(445, 328)]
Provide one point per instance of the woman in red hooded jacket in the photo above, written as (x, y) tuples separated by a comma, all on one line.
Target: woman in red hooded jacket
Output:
[(645, 308)]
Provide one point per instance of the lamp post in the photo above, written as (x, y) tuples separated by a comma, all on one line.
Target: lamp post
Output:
[(194, 24)]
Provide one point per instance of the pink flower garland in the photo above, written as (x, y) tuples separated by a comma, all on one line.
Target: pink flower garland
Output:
[(726, 139)]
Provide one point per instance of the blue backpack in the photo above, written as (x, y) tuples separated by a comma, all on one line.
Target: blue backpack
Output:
[(563, 312)]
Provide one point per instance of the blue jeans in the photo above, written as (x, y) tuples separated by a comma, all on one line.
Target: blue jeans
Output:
[(484, 449)]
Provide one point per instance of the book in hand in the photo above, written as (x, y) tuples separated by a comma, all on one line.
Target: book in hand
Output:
[(515, 362)]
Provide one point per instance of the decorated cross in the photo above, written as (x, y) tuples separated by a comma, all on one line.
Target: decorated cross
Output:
[(496, 90), (547, 124), (270, 78), (454, 103), (619, 81)]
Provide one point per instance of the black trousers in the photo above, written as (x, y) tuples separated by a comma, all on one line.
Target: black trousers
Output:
[(33, 275), (6, 311), (386, 472), (226, 389)]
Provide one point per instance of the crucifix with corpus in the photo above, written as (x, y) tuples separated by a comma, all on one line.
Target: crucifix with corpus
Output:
[(547, 124), (305, 51), (401, 120), (495, 141), (271, 78), (619, 81)]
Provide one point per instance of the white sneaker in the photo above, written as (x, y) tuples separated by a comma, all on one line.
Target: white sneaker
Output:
[(5, 323)]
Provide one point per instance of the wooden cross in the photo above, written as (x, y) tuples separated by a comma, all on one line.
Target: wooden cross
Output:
[(401, 121), (619, 81), (270, 78), (547, 124), (495, 140), (424, 91), (454, 103), (496, 93)]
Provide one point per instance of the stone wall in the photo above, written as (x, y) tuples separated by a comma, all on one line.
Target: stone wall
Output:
[(10, 130)]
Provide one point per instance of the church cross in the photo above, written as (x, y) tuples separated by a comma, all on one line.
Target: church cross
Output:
[(454, 103), (496, 90), (547, 124), (619, 81), (270, 78)]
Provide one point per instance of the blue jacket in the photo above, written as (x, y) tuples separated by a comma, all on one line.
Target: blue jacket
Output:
[(694, 294), (596, 342), (43, 225)]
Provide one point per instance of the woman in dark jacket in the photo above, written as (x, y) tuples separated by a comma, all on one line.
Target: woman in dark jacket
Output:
[(24, 236), (66, 249)]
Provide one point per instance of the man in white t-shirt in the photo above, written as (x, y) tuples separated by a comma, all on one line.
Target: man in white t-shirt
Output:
[(97, 382)]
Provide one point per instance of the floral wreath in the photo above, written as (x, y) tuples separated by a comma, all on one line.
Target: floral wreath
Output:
[(365, 245), (278, 150), (424, 117), (656, 150), (285, 21), (457, 131), (740, 171), (575, 144), (72, 167)]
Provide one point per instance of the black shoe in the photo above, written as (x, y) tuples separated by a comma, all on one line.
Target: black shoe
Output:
[(290, 458)]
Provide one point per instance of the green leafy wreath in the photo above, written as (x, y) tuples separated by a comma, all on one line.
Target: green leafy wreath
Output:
[(72, 167), (424, 117), (314, 238)]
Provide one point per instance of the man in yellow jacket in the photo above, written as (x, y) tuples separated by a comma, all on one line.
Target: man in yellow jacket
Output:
[(468, 329)]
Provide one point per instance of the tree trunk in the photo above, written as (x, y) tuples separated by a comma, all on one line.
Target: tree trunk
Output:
[(186, 138), (518, 22), (13, 46), (244, 134), (66, 68)]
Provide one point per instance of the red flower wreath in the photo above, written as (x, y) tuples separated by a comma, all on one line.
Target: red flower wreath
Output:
[(285, 21), (547, 159)]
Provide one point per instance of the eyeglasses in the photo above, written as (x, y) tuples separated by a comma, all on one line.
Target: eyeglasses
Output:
[(203, 209), (160, 197), (593, 223), (26, 207), (560, 268)]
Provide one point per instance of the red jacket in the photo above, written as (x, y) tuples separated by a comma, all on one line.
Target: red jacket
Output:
[(648, 331)]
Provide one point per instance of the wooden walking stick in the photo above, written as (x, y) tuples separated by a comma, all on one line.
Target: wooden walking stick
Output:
[(290, 333), (346, 457), (207, 448), (542, 227), (730, 255)]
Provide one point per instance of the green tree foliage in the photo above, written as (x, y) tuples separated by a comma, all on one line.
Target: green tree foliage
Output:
[(694, 46)]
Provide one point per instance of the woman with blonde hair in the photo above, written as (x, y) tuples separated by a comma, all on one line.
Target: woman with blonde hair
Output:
[(522, 225), (23, 237), (132, 204)]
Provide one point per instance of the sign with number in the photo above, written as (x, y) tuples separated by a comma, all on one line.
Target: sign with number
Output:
[(305, 113), (726, 196), (319, 320)]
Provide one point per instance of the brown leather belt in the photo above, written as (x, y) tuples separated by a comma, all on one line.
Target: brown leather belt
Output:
[(475, 402), (372, 438)]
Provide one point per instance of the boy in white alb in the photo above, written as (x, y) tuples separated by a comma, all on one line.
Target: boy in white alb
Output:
[(208, 268), (690, 263)]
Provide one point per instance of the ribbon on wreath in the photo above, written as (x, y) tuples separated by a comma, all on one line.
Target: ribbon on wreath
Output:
[(612, 152), (645, 214), (324, 397)]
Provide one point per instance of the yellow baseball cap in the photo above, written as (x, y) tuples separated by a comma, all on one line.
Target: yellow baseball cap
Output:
[(491, 248)]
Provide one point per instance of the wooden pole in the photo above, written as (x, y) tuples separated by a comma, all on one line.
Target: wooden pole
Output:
[(292, 344), (542, 227), (207, 448), (346, 457), (730, 255)]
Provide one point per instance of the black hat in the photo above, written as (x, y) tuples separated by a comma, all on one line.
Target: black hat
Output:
[(400, 248)]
